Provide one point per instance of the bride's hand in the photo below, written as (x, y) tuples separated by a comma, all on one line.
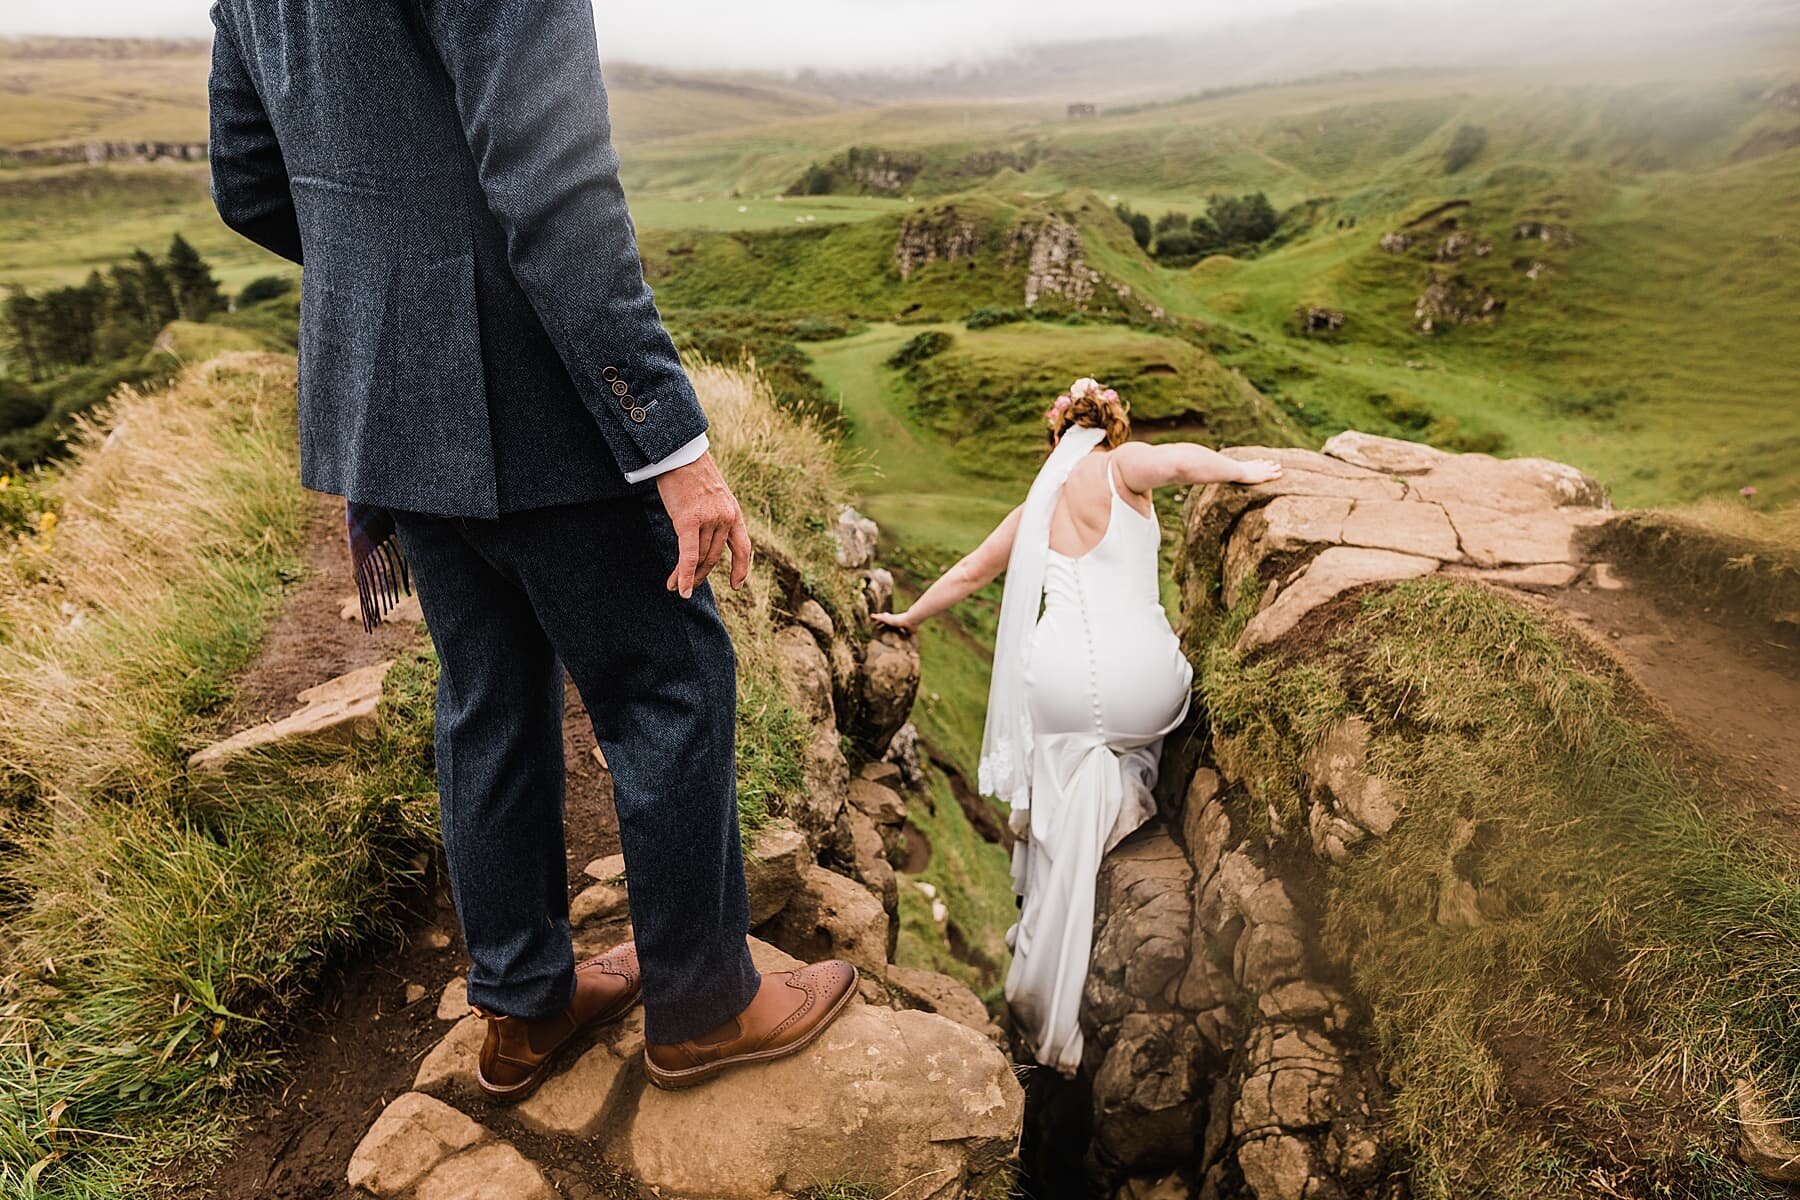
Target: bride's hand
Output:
[(1258, 470), (902, 621)]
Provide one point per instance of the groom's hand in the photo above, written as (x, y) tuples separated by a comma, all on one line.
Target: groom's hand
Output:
[(707, 520)]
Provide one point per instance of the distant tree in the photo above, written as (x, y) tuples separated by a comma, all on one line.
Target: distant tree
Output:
[(1179, 247), (126, 325), (68, 319), (19, 405), (1171, 222), (1465, 144), (24, 327), (1138, 223), (264, 287), (196, 291), (160, 306), (1249, 218)]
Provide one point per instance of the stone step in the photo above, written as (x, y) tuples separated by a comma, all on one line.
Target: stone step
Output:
[(337, 711), (405, 612)]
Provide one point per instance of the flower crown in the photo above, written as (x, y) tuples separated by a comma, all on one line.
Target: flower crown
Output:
[(1082, 389)]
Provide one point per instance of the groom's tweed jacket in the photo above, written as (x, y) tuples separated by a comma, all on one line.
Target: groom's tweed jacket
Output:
[(476, 335)]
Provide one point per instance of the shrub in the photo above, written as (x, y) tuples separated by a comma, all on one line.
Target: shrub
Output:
[(817, 181), (926, 345), (1248, 218), (987, 318), (1138, 223), (19, 405), (265, 287)]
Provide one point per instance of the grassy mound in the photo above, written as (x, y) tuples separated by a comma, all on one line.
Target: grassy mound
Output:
[(984, 392), (1744, 564), (1633, 952), (981, 261), (772, 460), (153, 937)]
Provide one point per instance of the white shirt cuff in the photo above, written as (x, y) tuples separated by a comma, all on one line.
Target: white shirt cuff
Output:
[(680, 458)]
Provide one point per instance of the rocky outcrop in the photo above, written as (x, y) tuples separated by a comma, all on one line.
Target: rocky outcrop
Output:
[(884, 1099), (1316, 319), (1452, 300), (937, 235), (100, 153), (1372, 509), (1226, 1055), (1224, 1060), (1055, 262)]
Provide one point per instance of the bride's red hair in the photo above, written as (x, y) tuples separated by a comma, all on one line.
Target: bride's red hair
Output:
[(1097, 408)]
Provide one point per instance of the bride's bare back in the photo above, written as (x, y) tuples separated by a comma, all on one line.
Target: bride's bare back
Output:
[(1084, 510)]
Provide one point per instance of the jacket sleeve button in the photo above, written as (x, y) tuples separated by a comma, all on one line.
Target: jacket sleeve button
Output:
[(610, 374), (620, 388), (638, 415)]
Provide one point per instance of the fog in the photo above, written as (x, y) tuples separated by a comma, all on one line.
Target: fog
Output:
[(1037, 45)]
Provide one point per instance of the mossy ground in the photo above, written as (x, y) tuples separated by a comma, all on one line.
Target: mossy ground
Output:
[(1637, 946)]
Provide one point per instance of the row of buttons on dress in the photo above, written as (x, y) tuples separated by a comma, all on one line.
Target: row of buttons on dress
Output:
[(622, 390)]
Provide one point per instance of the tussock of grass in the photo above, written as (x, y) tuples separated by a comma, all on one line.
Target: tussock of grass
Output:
[(779, 465), (1638, 951), (172, 532), (971, 877), (1723, 555), (156, 936)]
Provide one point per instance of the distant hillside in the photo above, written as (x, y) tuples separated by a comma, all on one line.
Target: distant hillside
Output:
[(74, 90)]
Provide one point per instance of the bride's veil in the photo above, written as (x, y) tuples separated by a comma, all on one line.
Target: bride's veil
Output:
[(1006, 741)]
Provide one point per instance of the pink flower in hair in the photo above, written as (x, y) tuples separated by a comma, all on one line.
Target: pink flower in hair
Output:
[(1085, 387), (1110, 396)]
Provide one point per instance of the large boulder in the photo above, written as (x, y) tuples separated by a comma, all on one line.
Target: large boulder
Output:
[(825, 774), (856, 536), (1152, 1065), (1331, 574), (888, 685), (832, 916), (864, 853), (940, 994), (423, 1147), (807, 672), (886, 1099), (772, 867), (1390, 456)]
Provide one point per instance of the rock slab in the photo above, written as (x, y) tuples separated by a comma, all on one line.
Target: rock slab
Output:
[(338, 710), (884, 1098)]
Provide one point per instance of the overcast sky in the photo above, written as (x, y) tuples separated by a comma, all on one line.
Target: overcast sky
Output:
[(854, 35), (775, 34)]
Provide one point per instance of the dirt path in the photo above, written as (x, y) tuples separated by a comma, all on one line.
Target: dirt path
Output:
[(1736, 694), (359, 1044)]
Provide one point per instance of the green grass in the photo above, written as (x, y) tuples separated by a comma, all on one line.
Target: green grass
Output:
[(972, 878), (58, 224), (1637, 949), (157, 934)]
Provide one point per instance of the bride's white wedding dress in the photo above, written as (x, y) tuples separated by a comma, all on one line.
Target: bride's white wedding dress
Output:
[(1104, 680)]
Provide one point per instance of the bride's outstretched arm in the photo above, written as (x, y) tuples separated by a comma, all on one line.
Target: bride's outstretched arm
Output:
[(974, 571), (1143, 468)]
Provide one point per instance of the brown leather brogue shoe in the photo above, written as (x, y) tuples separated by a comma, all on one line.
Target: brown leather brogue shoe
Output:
[(517, 1054), (790, 1010)]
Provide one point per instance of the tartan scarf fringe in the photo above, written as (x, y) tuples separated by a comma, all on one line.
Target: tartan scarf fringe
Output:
[(380, 567)]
